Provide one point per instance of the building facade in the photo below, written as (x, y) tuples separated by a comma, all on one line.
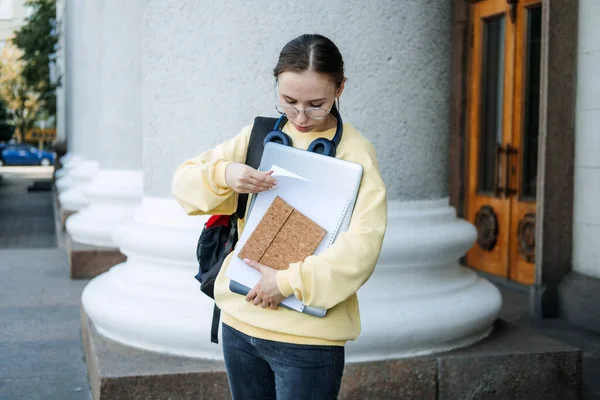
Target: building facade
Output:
[(12, 17)]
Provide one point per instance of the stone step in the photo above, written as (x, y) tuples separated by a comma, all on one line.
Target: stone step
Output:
[(512, 363), (87, 261)]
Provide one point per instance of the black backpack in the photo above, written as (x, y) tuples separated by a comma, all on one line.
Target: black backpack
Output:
[(220, 233)]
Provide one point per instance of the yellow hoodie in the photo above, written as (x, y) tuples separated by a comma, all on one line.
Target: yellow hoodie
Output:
[(328, 280)]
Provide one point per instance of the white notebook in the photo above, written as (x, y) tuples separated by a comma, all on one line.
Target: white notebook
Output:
[(322, 188), (324, 207)]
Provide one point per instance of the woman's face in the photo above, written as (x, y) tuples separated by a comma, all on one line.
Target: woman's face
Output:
[(308, 89)]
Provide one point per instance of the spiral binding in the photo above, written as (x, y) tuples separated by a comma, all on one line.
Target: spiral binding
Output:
[(339, 224)]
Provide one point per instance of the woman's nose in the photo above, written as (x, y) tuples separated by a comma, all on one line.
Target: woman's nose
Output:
[(301, 118)]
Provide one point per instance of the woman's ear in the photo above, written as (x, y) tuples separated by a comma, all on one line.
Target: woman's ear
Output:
[(341, 88)]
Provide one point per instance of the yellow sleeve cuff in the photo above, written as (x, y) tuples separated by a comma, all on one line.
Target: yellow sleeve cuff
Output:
[(219, 174), (283, 283)]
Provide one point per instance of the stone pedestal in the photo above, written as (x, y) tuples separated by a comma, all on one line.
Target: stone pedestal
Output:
[(580, 301), (86, 261), (512, 363)]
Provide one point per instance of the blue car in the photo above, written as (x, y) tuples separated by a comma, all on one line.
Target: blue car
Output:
[(25, 154)]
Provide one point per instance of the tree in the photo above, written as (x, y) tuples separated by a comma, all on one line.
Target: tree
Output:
[(23, 100), (6, 129), (38, 39)]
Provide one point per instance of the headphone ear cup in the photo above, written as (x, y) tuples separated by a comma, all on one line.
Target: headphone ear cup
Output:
[(322, 146), (278, 137)]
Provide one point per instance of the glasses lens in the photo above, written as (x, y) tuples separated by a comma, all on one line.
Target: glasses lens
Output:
[(316, 113), (291, 112)]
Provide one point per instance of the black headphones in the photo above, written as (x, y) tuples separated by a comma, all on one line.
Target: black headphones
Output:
[(321, 145)]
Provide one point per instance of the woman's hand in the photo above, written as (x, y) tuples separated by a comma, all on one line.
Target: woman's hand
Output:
[(265, 292), (244, 179)]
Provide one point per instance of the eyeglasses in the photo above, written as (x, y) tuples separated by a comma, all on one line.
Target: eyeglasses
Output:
[(292, 112)]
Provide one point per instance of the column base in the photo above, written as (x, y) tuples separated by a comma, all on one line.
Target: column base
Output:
[(513, 363), (579, 299), (63, 182), (112, 196), (87, 261), (419, 300), (62, 179), (72, 198), (152, 300), (64, 215)]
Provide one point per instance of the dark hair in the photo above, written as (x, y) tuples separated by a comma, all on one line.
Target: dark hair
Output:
[(311, 53)]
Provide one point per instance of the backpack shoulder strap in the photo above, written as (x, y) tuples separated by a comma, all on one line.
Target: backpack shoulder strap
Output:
[(214, 327), (261, 128)]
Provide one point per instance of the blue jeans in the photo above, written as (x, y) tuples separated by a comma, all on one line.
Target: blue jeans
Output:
[(260, 369)]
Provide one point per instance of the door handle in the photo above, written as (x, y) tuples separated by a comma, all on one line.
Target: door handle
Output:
[(498, 172), (508, 189)]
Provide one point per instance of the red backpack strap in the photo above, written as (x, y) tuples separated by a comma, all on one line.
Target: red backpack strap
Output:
[(217, 220)]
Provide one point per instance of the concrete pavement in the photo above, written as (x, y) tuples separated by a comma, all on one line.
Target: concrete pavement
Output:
[(41, 356)]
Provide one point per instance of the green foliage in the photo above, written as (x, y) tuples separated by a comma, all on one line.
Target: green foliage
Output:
[(37, 39)]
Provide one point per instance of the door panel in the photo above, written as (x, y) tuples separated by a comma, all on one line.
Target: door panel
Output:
[(503, 127), (491, 89), (526, 127)]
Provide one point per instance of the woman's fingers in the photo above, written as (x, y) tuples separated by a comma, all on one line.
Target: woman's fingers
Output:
[(245, 179), (250, 188), (251, 295), (263, 178), (260, 184), (256, 182)]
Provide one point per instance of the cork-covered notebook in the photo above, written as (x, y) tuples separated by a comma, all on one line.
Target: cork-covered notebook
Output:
[(283, 236)]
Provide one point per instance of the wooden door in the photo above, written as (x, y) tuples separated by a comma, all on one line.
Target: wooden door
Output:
[(502, 136)]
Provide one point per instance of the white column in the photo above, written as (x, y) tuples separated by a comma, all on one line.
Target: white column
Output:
[(58, 75), (586, 213), (84, 53), (65, 94), (117, 186), (63, 98), (208, 72)]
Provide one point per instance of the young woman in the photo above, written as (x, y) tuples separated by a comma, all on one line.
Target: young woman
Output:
[(271, 352)]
